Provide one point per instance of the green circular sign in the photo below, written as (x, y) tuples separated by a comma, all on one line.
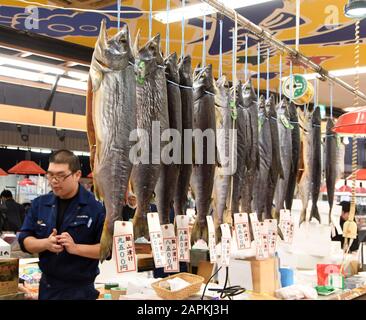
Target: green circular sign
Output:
[(299, 86)]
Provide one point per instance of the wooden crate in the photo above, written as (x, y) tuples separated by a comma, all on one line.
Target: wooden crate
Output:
[(9, 276), (264, 275)]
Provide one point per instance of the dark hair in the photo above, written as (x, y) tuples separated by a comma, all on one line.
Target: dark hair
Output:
[(66, 157), (346, 206), (6, 194)]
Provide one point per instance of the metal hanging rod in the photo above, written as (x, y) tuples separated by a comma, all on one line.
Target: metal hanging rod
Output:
[(294, 54)]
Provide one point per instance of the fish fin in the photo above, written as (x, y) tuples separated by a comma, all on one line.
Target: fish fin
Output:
[(140, 228), (136, 44), (218, 233), (105, 244), (90, 124), (275, 214), (279, 232), (95, 75), (330, 214), (315, 213)]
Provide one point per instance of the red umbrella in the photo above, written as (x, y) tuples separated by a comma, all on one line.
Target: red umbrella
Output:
[(323, 189), (352, 123), (2, 172), (26, 182), (344, 188), (360, 174), (27, 167)]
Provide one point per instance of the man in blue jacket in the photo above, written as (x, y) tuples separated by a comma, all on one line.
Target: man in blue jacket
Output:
[(65, 227)]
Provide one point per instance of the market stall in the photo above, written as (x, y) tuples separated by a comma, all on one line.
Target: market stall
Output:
[(216, 135)]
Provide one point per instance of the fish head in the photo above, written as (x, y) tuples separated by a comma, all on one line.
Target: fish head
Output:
[(330, 125), (315, 118), (282, 106), (113, 53), (248, 92), (203, 78), (136, 44), (150, 55), (293, 112), (262, 104), (269, 104), (185, 67), (171, 67), (222, 92)]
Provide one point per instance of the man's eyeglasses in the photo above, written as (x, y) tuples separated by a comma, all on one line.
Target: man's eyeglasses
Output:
[(57, 177)]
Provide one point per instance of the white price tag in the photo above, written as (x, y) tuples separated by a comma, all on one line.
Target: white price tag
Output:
[(123, 245), (184, 243), (262, 251), (225, 244), (211, 239), (255, 225), (171, 248), (286, 225), (156, 239), (272, 235), (242, 232)]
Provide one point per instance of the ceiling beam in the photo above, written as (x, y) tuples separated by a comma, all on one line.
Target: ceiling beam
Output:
[(39, 44), (42, 118)]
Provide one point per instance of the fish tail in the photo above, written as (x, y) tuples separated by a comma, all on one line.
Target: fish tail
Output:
[(280, 234), (199, 232), (330, 214), (302, 217), (218, 233), (105, 244), (196, 232), (227, 217), (275, 214), (140, 228), (315, 213)]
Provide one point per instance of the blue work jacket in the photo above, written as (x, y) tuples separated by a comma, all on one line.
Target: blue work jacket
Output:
[(83, 220)]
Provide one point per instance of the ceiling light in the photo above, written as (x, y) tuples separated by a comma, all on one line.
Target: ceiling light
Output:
[(39, 77), (355, 9), (201, 9), (23, 63)]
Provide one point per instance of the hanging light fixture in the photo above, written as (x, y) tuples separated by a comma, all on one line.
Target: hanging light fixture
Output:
[(355, 9)]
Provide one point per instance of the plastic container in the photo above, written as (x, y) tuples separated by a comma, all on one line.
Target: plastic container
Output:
[(117, 292), (287, 277), (109, 286), (107, 296)]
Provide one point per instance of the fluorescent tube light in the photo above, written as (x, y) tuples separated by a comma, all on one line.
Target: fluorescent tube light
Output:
[(201, 9), (39, 77), (23, 63)]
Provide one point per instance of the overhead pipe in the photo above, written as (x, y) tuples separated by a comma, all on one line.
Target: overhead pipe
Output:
[(293, 53)]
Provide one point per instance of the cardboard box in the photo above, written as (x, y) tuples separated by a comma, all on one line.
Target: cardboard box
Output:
[(9, 276), (264, 275), (4, 249)]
